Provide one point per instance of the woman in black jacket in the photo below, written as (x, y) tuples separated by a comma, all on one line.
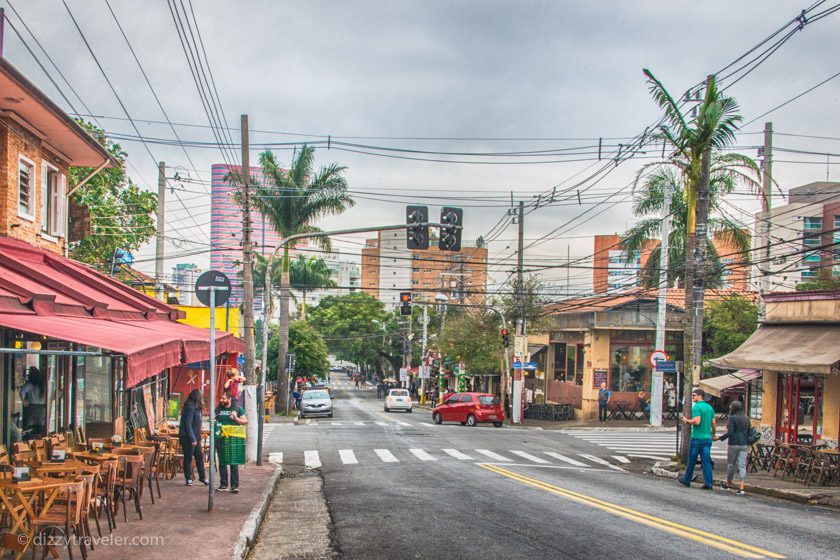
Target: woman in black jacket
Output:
[(189, 435), (738, 433)]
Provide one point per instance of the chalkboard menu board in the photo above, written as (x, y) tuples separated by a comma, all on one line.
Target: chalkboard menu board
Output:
[(600, 376)]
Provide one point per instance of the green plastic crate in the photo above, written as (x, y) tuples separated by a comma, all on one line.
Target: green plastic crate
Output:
[(232, 445)]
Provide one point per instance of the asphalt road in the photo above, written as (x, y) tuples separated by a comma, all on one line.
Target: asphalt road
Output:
[(399, 486)]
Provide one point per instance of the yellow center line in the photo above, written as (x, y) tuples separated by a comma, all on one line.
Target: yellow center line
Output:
[(710, 539)]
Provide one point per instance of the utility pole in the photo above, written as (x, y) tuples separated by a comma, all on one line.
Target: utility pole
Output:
[(423, 352), (662, 309), (408, 351), (520, 345), (766, 205), (161, 208), (247, 256)]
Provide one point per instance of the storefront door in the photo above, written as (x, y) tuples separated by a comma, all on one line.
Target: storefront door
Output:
[(799, 416)]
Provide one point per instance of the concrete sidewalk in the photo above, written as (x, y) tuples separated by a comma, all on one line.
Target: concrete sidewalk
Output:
[(179, 525), (761, 482)]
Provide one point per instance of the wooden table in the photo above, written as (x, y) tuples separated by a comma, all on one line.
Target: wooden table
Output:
[(93, 457), (20, 500), (70, 466)]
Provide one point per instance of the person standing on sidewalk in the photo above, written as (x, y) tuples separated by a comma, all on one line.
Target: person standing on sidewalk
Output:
[(189, 436), (702, 433), (229, 413), (738, 434), (604, 396)]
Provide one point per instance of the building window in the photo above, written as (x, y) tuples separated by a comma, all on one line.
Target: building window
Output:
[(812, 222), (628, 368), (560, 362), (812, 273), (26, 191), (52, 201), (811, 239), (812, 256), (836, 222), (756, 389)]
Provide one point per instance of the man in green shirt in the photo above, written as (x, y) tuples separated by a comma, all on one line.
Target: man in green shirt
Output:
[(702, 431), (229, 413)]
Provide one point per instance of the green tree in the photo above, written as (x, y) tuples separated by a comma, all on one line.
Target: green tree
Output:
[(729, 322), (309, 349), (727, 171), (473, 337), (293, 200), (309, 274), (353, 326), (122, 215), (533, 305)]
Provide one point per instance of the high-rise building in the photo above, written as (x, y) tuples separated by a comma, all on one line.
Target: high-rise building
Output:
[(389, 268), (226, 230), (614, 271), (804, 238), (184, 276)]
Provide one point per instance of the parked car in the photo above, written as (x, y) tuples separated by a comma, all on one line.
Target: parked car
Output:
[(470, 409), (316, 402), (398, 399)]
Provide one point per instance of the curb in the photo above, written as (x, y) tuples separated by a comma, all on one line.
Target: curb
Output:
[(616, 429), (790, 495), (249, 531)]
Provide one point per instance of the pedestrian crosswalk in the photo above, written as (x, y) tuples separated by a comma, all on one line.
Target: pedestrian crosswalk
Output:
[(315, 459), (657, 446), (353, 424)]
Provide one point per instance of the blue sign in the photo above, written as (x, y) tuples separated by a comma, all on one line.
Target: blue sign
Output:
[(240, 361), (669, 366), (528, 365)]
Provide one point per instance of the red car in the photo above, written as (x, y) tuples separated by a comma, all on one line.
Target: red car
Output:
[(470, 409)]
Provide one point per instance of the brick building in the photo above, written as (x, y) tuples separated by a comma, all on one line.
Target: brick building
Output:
[(613, 271), (388, 268)]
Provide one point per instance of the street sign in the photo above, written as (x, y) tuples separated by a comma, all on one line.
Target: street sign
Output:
[(240, 360), (656, 356), (213, 279), (666, 366), (528, 365), (403, 374), (425, 372)]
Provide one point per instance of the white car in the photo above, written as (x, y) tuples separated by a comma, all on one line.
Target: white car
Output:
[(398, 399)]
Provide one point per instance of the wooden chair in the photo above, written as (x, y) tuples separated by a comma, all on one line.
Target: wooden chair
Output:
[(22, 453), (805, 462), (141, 435), (65, 516), (90, 477), (149, 455), (4, 456), (70, 439), (129, 482), (40, 447), (81, 438)]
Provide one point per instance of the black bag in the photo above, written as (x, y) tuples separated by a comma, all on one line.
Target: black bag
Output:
[(753, 436)]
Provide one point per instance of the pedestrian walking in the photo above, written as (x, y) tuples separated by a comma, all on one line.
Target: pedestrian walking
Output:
[(189, 436), (738, 434), (379, 388), (229, 413), (703, 429), (604, 396)]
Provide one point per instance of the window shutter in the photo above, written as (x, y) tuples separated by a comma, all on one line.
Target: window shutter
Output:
[(45, 197), (59, 206)]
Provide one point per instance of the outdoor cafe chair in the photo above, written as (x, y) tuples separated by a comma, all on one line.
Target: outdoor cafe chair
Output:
[(129, 482), (39, 446), (22, 452), (81, 437), (4, 456), (66, 516), (149, 455)]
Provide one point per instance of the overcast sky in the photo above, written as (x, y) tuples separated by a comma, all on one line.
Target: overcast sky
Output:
[(550, 74)]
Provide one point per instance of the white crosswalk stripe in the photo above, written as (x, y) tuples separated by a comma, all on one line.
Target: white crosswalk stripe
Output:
[(422, 455), (642, 445), (311, 459), (382, 423), (386, 456), (403, 423), (457, 454), (565, 459), (529, 457), (276, 458), (621, 459), (600, 461), (348, 457), (494, 456)]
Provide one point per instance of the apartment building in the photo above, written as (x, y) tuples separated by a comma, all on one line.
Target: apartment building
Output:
[(614, 271), (804, 237), (389, 268)]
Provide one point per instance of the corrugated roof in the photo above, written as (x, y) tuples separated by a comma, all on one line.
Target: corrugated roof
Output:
[(675, 298)]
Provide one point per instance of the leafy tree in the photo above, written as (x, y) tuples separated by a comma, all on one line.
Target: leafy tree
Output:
[(122, 215), (352, 325), (309, 274), (308, 346), (293, 200), (533, 306), (729, 322), (832, 284), (727, 171), (473, 337)]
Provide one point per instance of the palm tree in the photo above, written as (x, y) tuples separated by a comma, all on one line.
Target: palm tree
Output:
[(292, 200), (727, 171), (309, 274), (694, 141)]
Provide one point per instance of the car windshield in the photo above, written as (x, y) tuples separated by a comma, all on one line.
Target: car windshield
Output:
[(309, 395), (487, 399), (400, 393)]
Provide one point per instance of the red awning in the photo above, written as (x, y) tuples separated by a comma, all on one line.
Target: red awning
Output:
[(146, 355), (196, 340)]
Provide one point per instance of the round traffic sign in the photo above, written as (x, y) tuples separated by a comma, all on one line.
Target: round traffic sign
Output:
[(658, 355), (213, 279)]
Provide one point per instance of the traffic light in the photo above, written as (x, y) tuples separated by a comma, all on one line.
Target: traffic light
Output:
[(405, 303), (505, 338), (418, 236), (450, 232)]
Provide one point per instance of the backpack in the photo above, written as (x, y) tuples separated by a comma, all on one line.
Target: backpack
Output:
[(753, 436)]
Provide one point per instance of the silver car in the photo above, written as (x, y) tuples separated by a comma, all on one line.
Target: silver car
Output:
[(316, 402)]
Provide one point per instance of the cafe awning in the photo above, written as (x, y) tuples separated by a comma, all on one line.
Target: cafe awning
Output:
[(717, 385), (534, 349), (146, 355), (791, 348), (196, 340)]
